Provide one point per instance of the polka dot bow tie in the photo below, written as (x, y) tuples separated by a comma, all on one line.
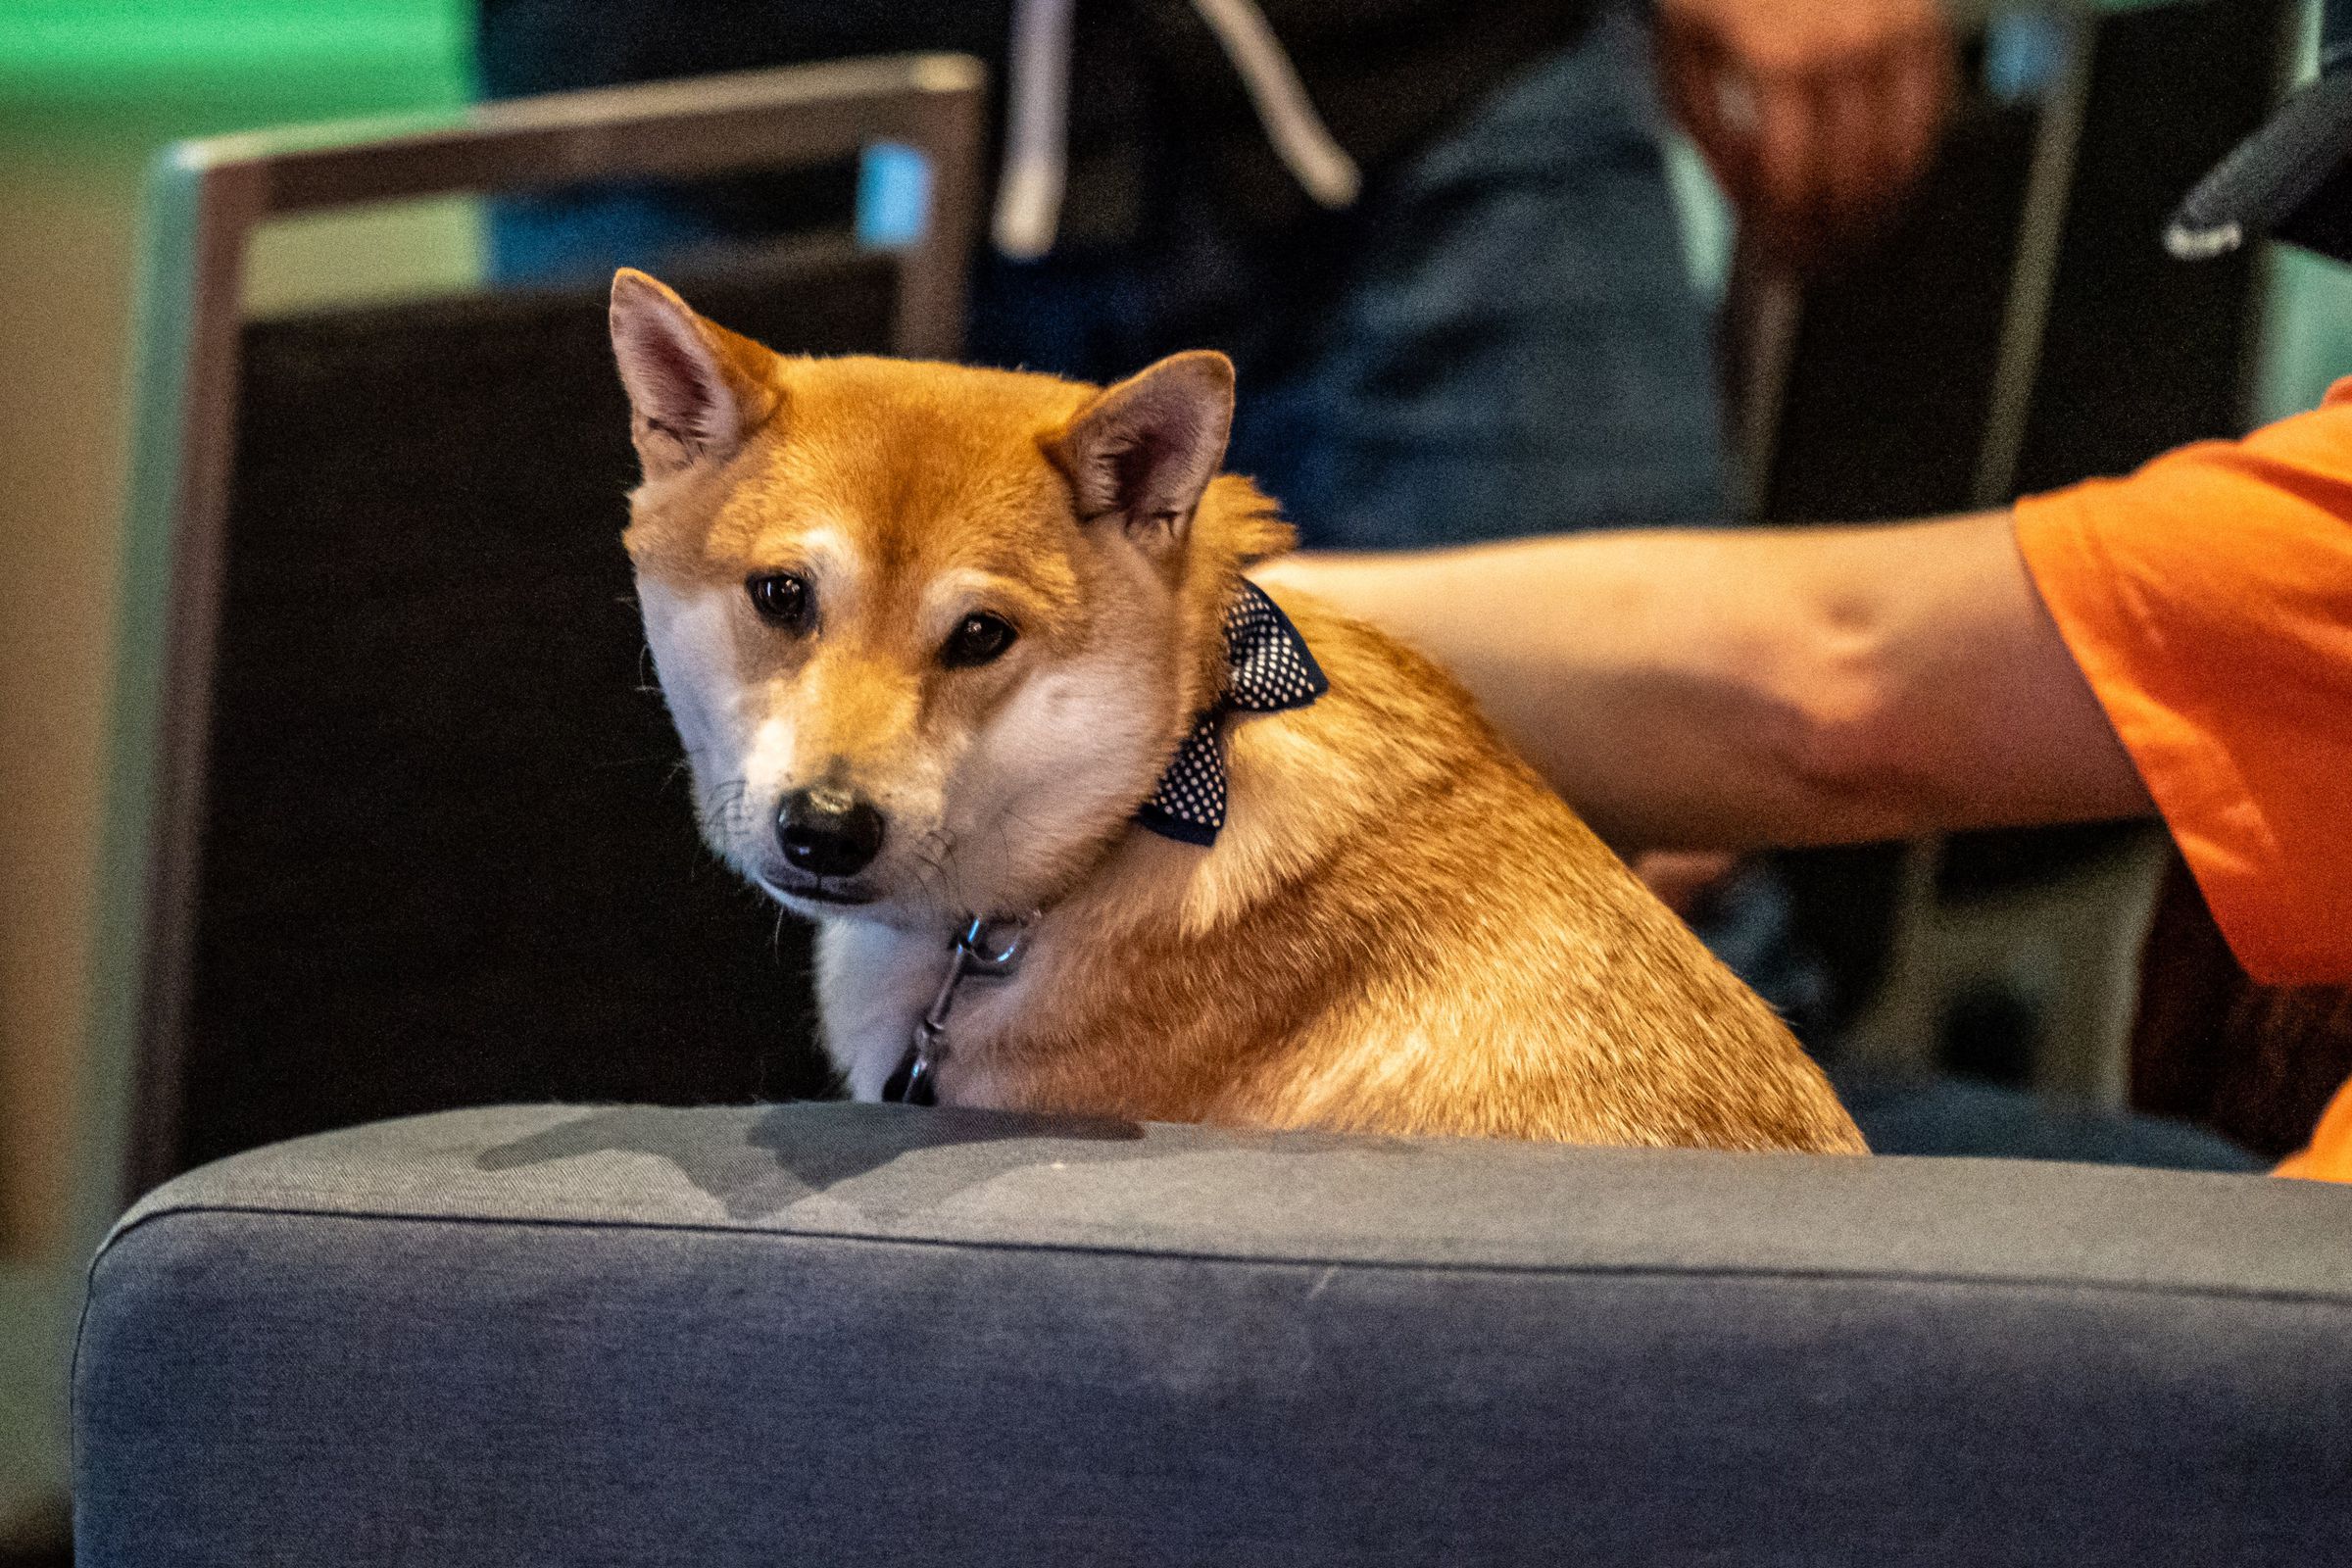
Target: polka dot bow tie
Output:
[(1268, 669)]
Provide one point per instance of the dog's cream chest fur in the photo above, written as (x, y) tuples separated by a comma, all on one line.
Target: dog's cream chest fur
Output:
[(876, 982)]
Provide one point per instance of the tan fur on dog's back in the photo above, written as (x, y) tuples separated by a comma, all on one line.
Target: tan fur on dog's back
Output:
[(1399, 928), (1402, 930)]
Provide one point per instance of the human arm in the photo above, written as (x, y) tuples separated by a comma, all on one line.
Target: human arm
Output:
[(1763, 687)]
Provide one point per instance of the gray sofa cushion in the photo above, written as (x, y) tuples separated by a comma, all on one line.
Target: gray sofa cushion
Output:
[(852, 1334)]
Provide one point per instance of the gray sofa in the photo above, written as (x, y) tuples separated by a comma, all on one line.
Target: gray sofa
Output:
[(838, 1334)]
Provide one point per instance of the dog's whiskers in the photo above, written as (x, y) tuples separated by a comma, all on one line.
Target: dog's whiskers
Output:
[(720, 803), (931, 853)]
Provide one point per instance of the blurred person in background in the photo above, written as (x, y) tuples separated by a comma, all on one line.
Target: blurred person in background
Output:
[(2177, 643), (1435, 237)]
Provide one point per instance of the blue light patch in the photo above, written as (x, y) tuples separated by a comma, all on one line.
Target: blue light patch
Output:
[(894, 196)]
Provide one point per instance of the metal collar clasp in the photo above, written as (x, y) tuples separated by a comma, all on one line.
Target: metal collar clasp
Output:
[(988, 948)]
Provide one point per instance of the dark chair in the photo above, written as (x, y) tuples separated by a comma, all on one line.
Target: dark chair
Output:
[(399, 822), (2018, 329)]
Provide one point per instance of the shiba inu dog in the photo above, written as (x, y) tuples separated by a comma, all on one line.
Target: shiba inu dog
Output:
[(934, 639)]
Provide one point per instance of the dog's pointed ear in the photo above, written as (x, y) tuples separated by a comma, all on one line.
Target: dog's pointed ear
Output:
[(1144, 451), (695, 388)]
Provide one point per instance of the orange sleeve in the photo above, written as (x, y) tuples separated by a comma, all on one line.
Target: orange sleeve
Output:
[(2329, 1156), (2208, 599)]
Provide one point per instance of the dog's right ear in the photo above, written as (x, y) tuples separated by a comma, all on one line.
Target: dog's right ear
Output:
[(695, 388)]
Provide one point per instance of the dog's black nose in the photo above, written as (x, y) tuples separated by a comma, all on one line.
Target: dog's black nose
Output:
[(827, 831)]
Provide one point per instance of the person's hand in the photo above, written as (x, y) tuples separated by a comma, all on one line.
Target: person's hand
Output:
[(1815, 115)]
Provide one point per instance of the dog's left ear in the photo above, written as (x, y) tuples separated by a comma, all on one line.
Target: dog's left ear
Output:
[(1141, 452)]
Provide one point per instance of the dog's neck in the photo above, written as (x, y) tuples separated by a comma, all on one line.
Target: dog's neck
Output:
[(1266, 668)]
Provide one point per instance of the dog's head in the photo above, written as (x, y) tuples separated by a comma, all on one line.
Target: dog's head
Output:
[(929, 633)]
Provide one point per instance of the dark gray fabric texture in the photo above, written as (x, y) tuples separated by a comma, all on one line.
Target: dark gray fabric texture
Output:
[(853, 1334)]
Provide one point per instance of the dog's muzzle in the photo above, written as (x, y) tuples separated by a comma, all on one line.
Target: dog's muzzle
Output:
[(827, 831)]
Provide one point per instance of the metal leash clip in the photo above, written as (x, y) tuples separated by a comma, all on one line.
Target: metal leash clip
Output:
[(985, 949)]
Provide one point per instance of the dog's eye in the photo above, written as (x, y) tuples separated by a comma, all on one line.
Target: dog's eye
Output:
[(981, 638), (782, 600)]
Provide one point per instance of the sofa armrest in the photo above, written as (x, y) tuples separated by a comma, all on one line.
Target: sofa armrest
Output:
[(853, 1334)]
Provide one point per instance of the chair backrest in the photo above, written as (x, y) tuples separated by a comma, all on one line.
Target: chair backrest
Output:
[(2022, 328), (396, 820), (2018, 329)]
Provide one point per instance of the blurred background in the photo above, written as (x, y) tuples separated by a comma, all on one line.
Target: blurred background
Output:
[(1885, 379), (89, 91)]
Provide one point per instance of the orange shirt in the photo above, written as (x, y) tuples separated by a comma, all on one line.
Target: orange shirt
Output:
[(2209, 600)]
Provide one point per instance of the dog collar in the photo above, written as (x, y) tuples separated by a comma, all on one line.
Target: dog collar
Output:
[(1268, 668)]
